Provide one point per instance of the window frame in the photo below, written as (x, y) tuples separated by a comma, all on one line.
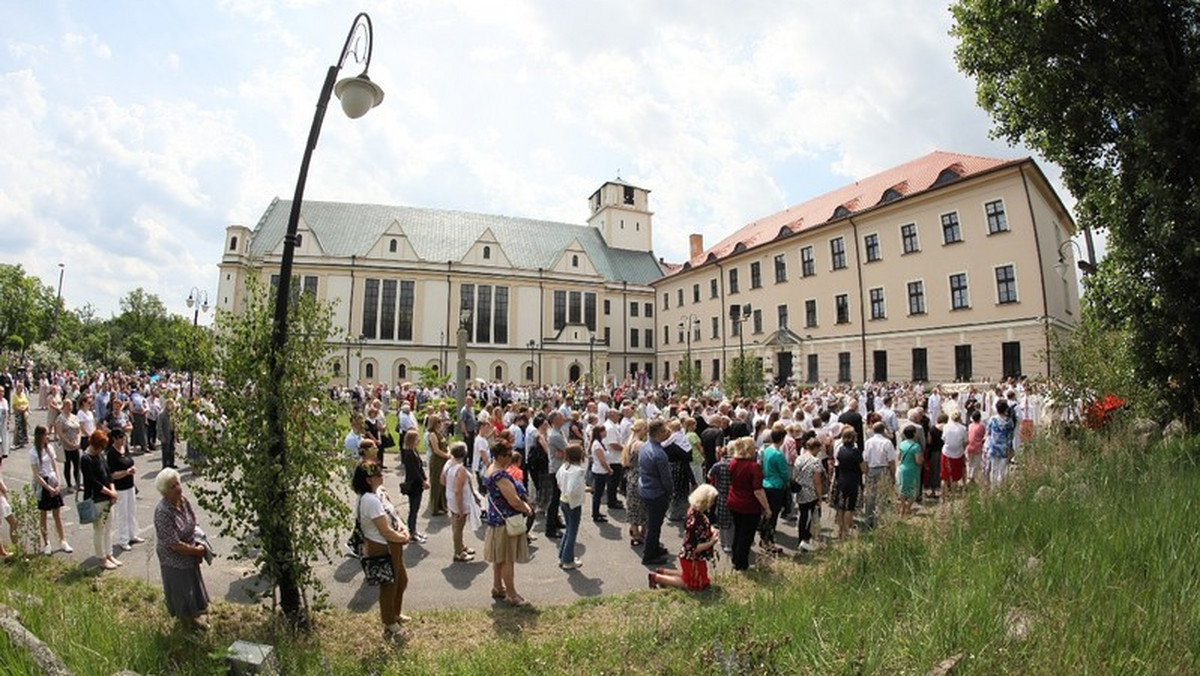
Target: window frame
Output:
[(873, 247), (1012, 282), (841, 301), (908, 289), (1000, 216), (811, 319), (808, 266), (904, 239), (837, 258), (755, 274), (966, 290), (953, 225), (780, 263), (878, 305), (734, 281)]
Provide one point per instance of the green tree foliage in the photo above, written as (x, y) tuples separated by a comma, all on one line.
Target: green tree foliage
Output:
[(1110, 91), (244, 493), (688, 379), (26, 307), (745, 377)]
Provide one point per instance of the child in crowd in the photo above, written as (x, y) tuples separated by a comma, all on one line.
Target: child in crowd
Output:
[(699, 540)]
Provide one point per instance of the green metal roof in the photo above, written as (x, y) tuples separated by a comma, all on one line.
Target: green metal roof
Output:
[(440, 235)]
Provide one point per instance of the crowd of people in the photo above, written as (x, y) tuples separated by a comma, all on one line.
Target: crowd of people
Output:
[(724, 471)]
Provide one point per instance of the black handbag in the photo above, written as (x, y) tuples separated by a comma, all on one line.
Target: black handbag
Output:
[(378, 570)]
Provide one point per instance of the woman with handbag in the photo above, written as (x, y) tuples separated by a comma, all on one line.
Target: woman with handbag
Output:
[(98, 487), (179, 554), (505, 544), (384, 537), (45, 478)]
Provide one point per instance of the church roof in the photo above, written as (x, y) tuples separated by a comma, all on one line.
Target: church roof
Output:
[(439, 235)]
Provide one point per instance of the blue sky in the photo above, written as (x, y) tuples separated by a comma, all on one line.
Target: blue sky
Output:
[(136, 132)]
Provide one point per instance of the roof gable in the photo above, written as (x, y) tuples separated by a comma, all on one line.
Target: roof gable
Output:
[(487, 251)]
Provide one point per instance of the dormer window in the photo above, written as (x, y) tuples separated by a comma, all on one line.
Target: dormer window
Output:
[(487, 253), (947, 175), (890, 195), (575, 260), (299, 240), (840, 212), (392, 246), (233, 243)]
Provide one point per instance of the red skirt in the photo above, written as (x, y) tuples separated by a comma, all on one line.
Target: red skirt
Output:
[(953, 469), (695, 574)]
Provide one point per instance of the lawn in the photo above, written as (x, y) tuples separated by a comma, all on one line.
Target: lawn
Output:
[(1087, 564)]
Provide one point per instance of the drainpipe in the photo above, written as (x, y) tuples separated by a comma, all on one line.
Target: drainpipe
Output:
[(1041, 265), (862, 310), (721, 315), (449, 318)]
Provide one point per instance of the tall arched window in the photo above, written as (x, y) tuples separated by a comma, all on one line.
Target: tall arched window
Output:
[(369, 370), (499, 372), (468, 373), (402, 372), (233, 243), (529, 373)]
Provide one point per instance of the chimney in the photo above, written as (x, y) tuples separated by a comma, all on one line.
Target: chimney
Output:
[(695, 245)]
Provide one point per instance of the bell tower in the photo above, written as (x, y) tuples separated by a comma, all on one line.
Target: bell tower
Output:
[(622, 214)]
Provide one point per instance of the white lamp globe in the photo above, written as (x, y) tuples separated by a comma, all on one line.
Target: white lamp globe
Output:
[(358, 95)]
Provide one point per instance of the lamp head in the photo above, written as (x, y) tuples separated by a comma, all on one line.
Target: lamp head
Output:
[(358, 95), (191, 300)]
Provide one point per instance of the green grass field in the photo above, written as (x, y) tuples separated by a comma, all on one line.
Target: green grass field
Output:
[(1087, 564)]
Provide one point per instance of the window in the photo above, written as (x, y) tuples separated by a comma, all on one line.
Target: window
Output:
[(716, 369), (681, 334), (962, 363), (713, 291), (871, 243), (735, 320), (756, 317), (916, 298), (629, 194), (310, 284), (633, 309), (756, 275), (842, 303), (843, 367), (487, 253), (695, 293), (299, 240), (666, 301), (996, 219), (1006, 284), (369, 370), (633, 338), (716, 327), (570, 307), (837, 252), (733, 280), (696, 333), (483, 314), (951, 230), (920, 365), (499, 374), (574, 307), (648, 309), (879, 361), (574, 260), (810, 313), (666, 334), (1010, 356), (233, 243), (680, 298), (500, 326), (337, 367), (392, 245), (529, 373), (560, 309), (370, 322), (959, 299), (649, 337), (783, 316), (808, 264), (387, 314), (607, 336), (908, 238), (812, 375), (402, 372), (608, 307), (878, 309), (780, 268)]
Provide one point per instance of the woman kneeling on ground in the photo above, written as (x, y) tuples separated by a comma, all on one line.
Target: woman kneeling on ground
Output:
[(383, 534), (699, 540), (179, 555)]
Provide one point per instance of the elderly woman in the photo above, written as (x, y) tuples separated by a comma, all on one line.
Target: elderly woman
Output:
[(460, 498), (383, 534), (98, 487), (179, 554), (635, 507), (122, 469), (746, 501), (506, 498)]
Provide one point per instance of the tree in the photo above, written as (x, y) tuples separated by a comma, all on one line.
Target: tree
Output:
[(290, 511), (1110, 91), (141, 327), (26, 306), (744, 376), (688, 379)]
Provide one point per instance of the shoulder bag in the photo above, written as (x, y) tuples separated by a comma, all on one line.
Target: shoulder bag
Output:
[(377, 570), (86, 509)]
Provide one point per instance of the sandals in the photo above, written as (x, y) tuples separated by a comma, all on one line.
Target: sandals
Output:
[(499, 594), (464, 557), (516, 602), (636, 542)]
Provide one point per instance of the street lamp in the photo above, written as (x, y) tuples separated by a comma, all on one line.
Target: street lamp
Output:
[(358, 95), (442, 362), (592, 360), (62, 267), (531, 345), (1084, 265), (738, 314), (460, 380), (199, 300), (687, 325), (358, 348)]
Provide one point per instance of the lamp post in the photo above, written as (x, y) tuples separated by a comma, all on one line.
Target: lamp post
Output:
[(199, 300), (358, 95), (62, 267), (592, 361), (687, 325), (738, 314), (358, 348), (532, 367), (460, 376), (442, 362), (1086, 266)]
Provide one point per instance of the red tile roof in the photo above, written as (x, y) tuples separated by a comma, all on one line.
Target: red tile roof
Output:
[(908, 179)]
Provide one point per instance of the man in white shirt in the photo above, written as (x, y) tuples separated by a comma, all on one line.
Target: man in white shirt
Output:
[(612, 453), (889, 415), (880, 456), (405, 421)]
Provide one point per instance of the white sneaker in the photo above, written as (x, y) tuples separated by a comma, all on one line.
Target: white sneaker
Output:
[(116, 562), (47, 550), (808, 546), (66, 546)]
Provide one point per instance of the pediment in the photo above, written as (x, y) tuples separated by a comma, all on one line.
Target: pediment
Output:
[(574, 260), (393, 244), (487, 251), (309, 245)]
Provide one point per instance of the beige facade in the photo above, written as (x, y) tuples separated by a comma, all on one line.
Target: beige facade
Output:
[(398, 279), (952, 276)]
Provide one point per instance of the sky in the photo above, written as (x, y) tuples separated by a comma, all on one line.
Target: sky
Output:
[(135, 132)]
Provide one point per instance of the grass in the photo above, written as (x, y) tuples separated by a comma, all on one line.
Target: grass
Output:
[(1091, 554)]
